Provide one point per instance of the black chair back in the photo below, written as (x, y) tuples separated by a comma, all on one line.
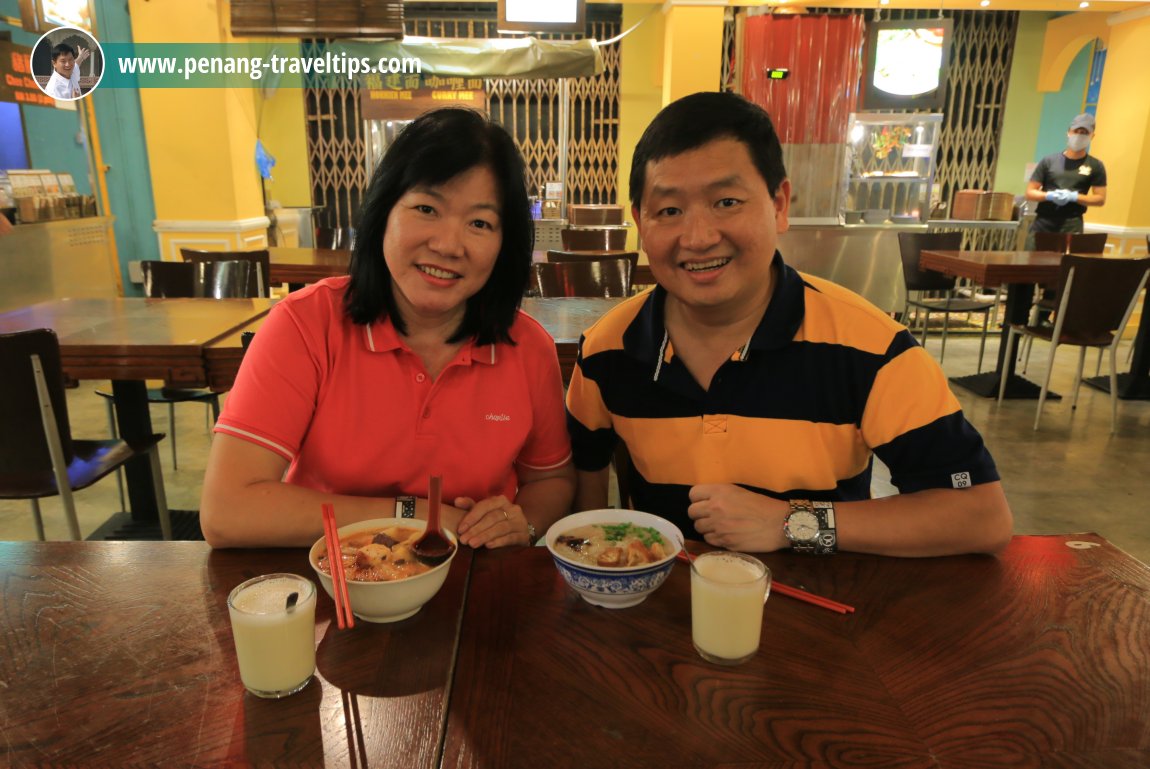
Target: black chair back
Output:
[(912, 244), (1071, 243), (1100, 294), (166, 280), (231, 279), (261, 257), (23, 445), (591, 277)]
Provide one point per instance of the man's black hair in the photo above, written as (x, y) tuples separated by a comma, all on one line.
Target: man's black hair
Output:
[(701, 118), (60, 49)]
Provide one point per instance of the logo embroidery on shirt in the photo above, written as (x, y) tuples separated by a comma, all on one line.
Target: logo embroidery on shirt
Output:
[(960, 480), (497, 418)]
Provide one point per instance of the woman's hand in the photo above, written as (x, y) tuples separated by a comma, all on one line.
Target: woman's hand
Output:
[(492, 522)]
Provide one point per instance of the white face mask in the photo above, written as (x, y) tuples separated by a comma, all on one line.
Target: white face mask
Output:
[(1078, 142)]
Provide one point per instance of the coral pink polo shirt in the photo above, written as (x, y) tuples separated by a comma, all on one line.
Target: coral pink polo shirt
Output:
[(355, 412)]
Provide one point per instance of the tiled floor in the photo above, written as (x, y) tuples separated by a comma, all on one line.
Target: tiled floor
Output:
[(1070, 476)]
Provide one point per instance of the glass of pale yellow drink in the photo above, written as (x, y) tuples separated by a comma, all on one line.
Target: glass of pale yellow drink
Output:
[(728, 591), (274, 633)]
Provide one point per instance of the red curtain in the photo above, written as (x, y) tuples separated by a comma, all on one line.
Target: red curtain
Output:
[(824, 56)]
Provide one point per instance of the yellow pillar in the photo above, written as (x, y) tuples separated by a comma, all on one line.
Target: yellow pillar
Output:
[(1123, 140), (692, 47), (640, 89), (200, 141), (676, 51)]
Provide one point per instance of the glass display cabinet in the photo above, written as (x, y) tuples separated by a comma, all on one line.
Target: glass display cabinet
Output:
[(889, 167)]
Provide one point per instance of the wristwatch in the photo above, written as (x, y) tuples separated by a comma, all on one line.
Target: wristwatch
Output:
[(810, 527), (405, 507)]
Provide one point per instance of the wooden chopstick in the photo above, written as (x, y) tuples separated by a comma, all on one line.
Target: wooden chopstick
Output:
[(811, 598), (790, 592), (343, 616)]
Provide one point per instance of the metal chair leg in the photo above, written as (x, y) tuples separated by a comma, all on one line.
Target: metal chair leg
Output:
[(37, 518), (1078, 378), (116, 434), (1045, 384), (1114, 387), (1010, 334), (982, 342), (161, 496), (172, 424)]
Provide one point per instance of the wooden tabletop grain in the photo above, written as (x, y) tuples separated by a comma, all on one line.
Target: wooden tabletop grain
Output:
[(995, 268), (117, 654), (120, 654)]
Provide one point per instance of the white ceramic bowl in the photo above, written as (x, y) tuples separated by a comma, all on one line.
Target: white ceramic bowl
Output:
[(386, 601), (614, 588)]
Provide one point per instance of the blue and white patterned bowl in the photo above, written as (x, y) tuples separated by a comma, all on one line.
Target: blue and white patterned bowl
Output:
[(614, 588)]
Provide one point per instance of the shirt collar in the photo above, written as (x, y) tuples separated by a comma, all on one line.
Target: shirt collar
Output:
[(382, 336), (646, 337)]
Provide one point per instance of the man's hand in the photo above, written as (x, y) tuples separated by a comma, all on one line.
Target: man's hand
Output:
[(732, 517), (1062, 197), (82, 56)]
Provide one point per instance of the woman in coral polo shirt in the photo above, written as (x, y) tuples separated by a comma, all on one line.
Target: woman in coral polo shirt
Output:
[(357, 389)]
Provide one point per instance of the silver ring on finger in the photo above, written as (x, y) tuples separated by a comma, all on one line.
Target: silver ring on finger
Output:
[(506, 517)]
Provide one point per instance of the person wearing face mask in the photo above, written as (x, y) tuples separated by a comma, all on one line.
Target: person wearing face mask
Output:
[(1065, 183)]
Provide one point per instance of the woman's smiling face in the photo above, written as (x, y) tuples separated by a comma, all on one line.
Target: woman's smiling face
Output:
[(442, 242)]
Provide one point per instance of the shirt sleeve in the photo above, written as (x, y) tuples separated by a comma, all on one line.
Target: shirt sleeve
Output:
[(274, 397), (915, 425), (593, 437), (1040, 170), (1099, 177), (547, 445)]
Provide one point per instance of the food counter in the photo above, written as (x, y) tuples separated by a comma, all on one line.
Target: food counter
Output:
[(51, 260), (865, 257)]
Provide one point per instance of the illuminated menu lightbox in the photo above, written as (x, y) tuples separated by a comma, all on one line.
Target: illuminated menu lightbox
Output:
[(907, 63), (554, 16)]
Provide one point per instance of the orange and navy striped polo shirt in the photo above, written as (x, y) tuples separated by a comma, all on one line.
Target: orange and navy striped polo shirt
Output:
[(825, 381)]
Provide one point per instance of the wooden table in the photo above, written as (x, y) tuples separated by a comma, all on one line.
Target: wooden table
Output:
[(307, 265), (130, 341), (1039, 659), (1019, 270), (121, 654), (566, 318)]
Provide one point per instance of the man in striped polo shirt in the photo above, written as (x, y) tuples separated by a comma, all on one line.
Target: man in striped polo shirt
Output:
[(751, 397)]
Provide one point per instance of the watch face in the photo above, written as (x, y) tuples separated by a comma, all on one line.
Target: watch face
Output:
[(803, 526)]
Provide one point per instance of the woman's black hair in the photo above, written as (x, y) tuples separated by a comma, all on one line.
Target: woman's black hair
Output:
[(435, 148)]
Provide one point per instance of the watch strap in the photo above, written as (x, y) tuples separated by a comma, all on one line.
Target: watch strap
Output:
[(405, 507), (826, 541)]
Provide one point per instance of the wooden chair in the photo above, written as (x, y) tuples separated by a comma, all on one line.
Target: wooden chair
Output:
[(924, 282), (1064, 243), (261, 258), (172, 279), (584, 215), (1095, 299), (1071, 243), (583, 256), (38, 455), (593, 239), (590, 277)]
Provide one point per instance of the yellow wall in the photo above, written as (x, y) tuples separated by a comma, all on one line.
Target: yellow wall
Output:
[(640, 89), (1123, 139), (1065, 37), (200, 142), (692, 50), (283, 129), (1023, 105)]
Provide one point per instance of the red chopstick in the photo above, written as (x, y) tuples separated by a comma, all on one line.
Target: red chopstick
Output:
[(791, 592), (811, 598), (343, 616)]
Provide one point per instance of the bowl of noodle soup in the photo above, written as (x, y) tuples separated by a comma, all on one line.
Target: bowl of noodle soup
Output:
[(614, 558), (385, 582)]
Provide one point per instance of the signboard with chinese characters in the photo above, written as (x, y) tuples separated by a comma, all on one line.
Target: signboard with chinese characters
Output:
[(16, 83), (406, 97)]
